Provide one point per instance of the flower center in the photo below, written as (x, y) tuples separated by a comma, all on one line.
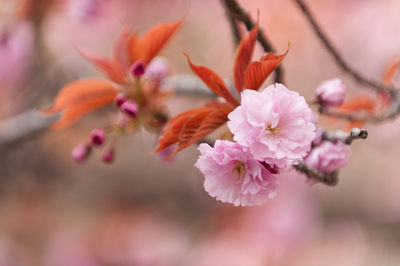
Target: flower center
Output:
[(240, 169), (273, 130)]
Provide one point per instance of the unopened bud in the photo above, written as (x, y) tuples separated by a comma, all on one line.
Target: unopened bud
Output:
[(108, 156), (81, 152), (97, 137), (130, 108), (331, 93), (138, 68), (119, 100)]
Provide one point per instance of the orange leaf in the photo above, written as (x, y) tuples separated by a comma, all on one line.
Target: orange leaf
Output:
[(120, 53), (154, 40), (243, 57), (113, 70), (78, 98), (213, 81), (193, 125), (390, 72), (359, 102), (257, 72)]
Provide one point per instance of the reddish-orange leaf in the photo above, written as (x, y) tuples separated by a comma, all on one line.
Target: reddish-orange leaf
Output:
[(135, 48), (390, 72), (121, 56), (257, 72), (113, 70), (359, 102), (213, 81), (157, 37), (78, 98), (151, 44), (193, 125), (243, 57)]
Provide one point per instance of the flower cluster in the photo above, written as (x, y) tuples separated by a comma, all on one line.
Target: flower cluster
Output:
[(273, 130), (134, 82)]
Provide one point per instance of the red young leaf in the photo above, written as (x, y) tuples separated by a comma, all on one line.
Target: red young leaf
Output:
[(390, 72), (120, 54), (213, 81), (243, 57), (257, 72), (78, 98), (193, 125), (113, 70), (154, 40)]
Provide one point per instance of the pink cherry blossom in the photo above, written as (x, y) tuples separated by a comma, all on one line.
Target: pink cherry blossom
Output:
[(328, 157), (232, 175), (331, 93), (275, 124)]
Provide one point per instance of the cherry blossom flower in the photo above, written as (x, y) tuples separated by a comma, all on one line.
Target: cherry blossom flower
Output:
[(328, 157), (275, 124), (232, 175), (331, 93)]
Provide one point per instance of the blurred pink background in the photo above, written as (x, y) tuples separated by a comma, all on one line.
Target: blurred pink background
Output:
[(144, 211)]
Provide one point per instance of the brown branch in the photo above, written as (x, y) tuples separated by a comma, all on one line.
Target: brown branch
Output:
[(345, 137), (392, 112), (331, 179), (233, 25), (240, 14), (379, 87), (325, 178)]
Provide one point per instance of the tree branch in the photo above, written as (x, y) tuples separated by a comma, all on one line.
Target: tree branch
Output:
[(327, 179), (379, 87), (346, 138), (232, 23), (240, 14)]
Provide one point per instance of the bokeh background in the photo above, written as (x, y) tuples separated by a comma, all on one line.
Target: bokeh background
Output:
[(142, 210)]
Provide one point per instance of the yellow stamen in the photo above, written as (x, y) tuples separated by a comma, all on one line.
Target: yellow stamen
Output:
[(274, 130), (240, 168)]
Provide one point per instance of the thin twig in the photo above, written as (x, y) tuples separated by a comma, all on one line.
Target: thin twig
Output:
[(392, 111), (240, 14), (345, 137), (379, 87), (233, 25), (325, 178)]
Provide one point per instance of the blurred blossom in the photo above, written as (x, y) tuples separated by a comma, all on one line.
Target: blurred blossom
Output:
[(158, 69), (263, 235), (84, 10), (68, 248), (11, 254), (331, 93), (328, 157), (16, 45)]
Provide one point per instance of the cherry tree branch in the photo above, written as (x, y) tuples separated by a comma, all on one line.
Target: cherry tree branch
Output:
[(379, 87), (240, 14), (392, 111), (345, 137), (325, 178), (233, 25)]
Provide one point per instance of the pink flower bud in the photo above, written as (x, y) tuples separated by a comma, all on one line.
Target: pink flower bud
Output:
[(81, 152), (119, 100), (130, 108), (138, 68), (331, 93), (158, 69), (97, 137), (328, 157), (108, 156), (318, 136)]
